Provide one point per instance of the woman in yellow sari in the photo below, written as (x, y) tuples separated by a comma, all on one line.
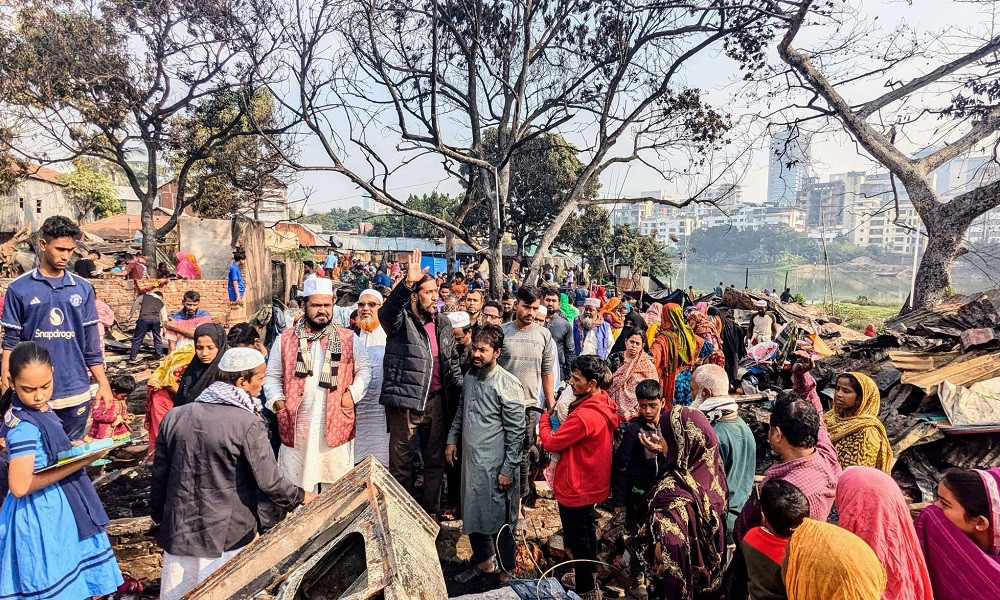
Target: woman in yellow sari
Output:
[(826, 562), (854, 426)]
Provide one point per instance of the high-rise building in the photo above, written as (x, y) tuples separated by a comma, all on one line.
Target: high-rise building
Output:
[(788, 167), (825, 203)]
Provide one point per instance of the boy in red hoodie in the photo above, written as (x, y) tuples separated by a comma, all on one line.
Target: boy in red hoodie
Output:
[(583, 473)]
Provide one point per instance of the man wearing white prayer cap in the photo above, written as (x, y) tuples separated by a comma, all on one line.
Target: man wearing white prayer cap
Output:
[(763, 325), (461, 324), (373, 433), (217, 438), (591, 333), (316, 373)]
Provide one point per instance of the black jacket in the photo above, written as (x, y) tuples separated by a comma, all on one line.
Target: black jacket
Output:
[(635, 468), (408, 363), (211, 462)]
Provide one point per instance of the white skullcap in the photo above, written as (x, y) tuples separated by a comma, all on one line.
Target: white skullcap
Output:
[(459, 319), (761, 303), (374, 293), (594, 302), (542, 310), (317, 286), (236, 360)]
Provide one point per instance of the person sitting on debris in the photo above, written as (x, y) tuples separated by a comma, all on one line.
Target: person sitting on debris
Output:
[(635, 468), (212, 460), (113, 420), (871, 506), (709, 388), (960, 535), (489, 424), (826, 562), (152, 315), (52, 526), (685, 552), (180, 326), (783, 508), (855, 429), (583, 473)]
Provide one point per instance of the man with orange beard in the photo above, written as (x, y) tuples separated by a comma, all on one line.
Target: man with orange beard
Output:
[(372, 434)]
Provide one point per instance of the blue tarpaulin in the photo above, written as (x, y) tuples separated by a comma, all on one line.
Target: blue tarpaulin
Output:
[(437, 265)]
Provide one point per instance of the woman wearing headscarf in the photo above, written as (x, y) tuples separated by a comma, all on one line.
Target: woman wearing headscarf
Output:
[(161, 388), (567, 309), (209, 346), (872, 507), (826, 562), (686, 518), (704, 327), (652, 317), (612, 312), (733, 336), (185, 268), (854, 426), (674, 350), (960, 535), (636, 366)]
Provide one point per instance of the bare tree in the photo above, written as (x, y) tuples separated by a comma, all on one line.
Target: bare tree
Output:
[(953, 107), (433, 76), (114, 81)]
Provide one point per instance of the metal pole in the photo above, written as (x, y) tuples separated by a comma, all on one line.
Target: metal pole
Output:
[(785, 287), (746, 285), (913, 267)]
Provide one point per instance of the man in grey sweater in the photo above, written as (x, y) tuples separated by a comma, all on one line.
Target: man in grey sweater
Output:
[(525, 356)]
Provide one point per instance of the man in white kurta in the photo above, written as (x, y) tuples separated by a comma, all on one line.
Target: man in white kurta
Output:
[(373, 434), (312, 462)]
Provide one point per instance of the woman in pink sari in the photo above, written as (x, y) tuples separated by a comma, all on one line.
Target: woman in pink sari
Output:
[(187, 266), (960, 535), (872, 507)]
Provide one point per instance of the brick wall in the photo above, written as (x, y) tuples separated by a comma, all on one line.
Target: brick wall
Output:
[(120, 294)]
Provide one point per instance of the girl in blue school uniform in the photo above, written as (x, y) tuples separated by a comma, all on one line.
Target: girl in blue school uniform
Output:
[(52, 525)]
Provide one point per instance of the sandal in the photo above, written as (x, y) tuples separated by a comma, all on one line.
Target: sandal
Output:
[(474, 571), (568, 580)]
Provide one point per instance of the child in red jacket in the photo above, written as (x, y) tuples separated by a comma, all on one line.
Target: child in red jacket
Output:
[(583, 473)]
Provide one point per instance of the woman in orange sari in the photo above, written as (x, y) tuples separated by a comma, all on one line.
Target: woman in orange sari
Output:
[(704, 327), (675, 349)]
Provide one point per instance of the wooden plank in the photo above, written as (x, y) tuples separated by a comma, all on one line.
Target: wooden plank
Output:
[(959, 372), (921, 361)]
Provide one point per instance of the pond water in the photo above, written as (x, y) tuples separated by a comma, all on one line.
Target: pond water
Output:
[(877, 282)]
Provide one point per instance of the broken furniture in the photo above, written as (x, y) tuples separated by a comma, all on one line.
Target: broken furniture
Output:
[(363, 537)]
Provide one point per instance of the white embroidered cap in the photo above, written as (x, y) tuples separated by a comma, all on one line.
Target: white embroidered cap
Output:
[(459, 320), (541, 310), (592, 302), (317, 286), (373, 293), (761, 303), (237, 360)]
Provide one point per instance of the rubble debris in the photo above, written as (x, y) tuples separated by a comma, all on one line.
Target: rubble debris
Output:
[(363, 536), (977, 405), (959, 372)]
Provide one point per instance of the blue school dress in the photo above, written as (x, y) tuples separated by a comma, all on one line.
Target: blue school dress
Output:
[(41, 553)]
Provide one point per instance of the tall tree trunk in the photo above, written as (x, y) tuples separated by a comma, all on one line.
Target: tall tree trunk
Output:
[(449, 252), (148, 229), (945, 232)]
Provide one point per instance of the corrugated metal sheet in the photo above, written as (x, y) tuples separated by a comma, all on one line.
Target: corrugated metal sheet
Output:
[(921, 361), (959, 372), (401, 244)]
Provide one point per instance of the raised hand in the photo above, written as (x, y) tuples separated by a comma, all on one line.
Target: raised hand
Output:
[(413, 271)]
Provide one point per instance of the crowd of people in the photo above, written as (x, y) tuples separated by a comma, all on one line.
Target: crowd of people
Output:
[(470, 401)]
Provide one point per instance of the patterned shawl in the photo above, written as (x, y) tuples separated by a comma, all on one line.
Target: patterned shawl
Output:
[(704, 327), (826, 562), (674, 348), (959, 569), (872, 507), (861, 439), (687, 510), (623, 383), (609, 314)]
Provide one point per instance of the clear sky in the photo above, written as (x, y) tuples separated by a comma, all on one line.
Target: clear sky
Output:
[(832, 153)]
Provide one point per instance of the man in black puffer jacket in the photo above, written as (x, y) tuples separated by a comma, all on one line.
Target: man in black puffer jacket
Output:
[(422, 381)]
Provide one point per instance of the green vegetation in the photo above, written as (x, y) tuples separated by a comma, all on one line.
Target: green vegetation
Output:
[(772, 245), (858, 315), (90, 192)]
